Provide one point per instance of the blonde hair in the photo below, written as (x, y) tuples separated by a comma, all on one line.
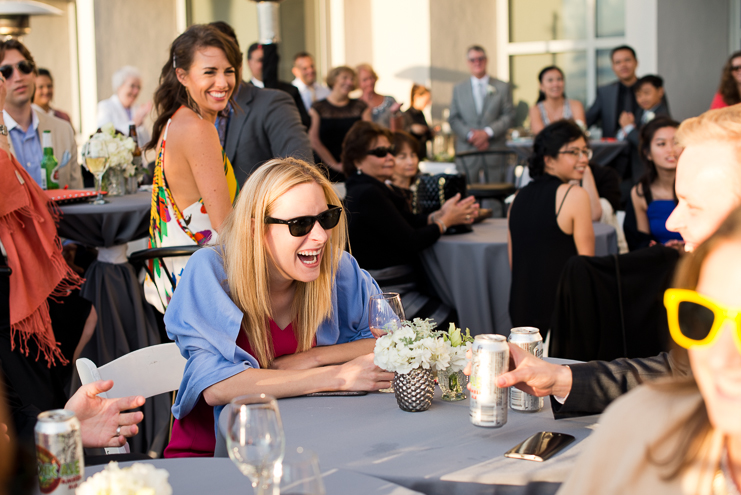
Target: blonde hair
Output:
[(723, 124), (367, 68), (246, 257)]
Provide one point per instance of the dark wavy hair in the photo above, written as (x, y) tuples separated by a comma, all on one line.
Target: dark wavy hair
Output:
[(170, 94), (644, 149), (541, 95), (402, 138), (358, 141), (549, 142), (728, 86)]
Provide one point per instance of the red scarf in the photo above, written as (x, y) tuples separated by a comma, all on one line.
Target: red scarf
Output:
[(28, 232)]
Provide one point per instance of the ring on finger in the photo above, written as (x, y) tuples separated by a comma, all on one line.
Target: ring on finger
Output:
[(118, 431)]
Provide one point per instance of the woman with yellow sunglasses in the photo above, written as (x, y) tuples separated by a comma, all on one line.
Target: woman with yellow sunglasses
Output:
[(682, 436)]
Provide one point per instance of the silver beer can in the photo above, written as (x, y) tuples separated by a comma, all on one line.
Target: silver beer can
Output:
[(489, 402), (59, 452), (527, 338)]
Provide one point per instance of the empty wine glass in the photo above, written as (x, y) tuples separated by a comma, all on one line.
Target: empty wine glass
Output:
[(385, 315), (254, 439), (299, 474), (95, 157)]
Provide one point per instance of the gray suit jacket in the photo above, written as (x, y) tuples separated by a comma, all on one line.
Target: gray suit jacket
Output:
[(605, 109), (266, 125), (498, 113)]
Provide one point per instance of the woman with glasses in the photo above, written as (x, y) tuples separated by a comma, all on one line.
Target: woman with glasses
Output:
[(729, 92), (552, 104), (682, 435), (550, 221), (385, 236), (653, 198), (277, 308)]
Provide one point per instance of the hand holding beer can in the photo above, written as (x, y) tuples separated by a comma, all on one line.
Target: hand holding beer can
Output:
[(490, 360), (59, 452), (527, 338)]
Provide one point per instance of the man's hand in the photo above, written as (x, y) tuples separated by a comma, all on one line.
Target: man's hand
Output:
[(626, 119), (480, 139), (100, 418), (532, 375)]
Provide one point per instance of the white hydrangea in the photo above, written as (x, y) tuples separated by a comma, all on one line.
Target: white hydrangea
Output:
[(118, 147), (139, 479), (415, 345)]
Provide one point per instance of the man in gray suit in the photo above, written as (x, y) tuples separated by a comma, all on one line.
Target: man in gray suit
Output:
[(265, 125), (480, 114)]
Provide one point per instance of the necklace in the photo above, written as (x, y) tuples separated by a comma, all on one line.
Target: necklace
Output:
[(723, 483)]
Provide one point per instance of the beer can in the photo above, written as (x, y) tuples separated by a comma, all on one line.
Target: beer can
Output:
[(59, 452), (527, 338), (490, 360)]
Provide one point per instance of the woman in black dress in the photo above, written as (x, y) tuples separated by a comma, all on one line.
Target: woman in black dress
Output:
[(333, 117), (550, 221), (385, 236), (414, 120)]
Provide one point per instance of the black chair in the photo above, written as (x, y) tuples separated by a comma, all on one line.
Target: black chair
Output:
[(140, 258), (610, 307), (497, 191)]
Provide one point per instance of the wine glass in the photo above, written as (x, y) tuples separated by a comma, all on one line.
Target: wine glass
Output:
[(299, 474), (255, 439), (96, 162), (385, 315)]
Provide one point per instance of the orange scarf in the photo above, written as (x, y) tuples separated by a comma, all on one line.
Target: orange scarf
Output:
[(28, 232)]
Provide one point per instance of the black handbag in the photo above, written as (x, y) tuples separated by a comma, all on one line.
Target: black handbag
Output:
[(431, 191)]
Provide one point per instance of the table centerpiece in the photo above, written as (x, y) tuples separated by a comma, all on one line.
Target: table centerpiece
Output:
[(120, 159), (138, 479), (451, 379)]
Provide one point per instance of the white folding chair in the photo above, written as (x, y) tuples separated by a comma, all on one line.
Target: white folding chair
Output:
[(149, 371)]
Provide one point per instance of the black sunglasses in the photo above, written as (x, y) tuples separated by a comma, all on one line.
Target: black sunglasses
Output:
[(381, 151), (735, 68), (25, 66), (301, 226)]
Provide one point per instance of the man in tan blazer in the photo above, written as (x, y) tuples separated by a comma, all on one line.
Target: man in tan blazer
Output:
[(26, 126)]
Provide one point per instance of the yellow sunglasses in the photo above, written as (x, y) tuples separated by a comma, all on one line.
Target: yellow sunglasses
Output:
[(696, 320)]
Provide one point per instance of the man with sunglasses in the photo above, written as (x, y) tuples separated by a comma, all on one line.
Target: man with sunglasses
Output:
[(480, 114), (708, 186), (25, 126)]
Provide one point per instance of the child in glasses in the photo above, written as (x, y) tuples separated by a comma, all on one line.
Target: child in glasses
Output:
[(682, 435)]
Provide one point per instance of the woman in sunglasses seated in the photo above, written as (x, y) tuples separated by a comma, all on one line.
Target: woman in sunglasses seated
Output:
[(682, 435), (277, 308), (385, 235), (550, 221)]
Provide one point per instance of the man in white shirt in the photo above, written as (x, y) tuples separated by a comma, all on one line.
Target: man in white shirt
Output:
[(480, 114), (305, 72)]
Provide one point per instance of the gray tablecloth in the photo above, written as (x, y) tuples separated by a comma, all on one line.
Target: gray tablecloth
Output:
[(471, 273), (209, 476), (125, 321), (604, 151)]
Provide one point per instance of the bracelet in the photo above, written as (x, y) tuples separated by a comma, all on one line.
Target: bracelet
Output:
[(441, 224)]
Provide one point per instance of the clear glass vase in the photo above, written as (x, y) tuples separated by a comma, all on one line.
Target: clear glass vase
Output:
[(452, 384), (132, 185), (114, 182)]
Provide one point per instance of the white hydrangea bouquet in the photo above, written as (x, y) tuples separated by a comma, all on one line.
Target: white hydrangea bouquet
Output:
[(138, 479), (414, 345), (452, 380), (120, 149)]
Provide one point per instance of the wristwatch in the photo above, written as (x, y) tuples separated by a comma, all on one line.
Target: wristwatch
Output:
[(3, 130)]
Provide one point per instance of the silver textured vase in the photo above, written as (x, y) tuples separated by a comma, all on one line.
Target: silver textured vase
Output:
[(414, 390)]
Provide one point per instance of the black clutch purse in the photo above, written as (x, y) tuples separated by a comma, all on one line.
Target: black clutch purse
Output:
[(431, 191)]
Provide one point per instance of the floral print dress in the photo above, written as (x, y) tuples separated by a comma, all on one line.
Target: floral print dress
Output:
[(169, 227)]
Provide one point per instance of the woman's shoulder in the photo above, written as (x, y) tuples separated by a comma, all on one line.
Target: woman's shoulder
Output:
[(357, 104), (189, 128), (207, 258)]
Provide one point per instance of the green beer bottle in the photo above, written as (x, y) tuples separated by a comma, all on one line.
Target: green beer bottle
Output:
[(49, 164)]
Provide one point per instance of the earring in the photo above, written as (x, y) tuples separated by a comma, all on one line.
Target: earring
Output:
[(192, 104)]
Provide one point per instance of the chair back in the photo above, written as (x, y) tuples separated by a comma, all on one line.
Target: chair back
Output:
[(141, 258)]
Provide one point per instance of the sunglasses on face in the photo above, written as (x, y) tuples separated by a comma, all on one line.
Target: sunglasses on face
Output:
[(476, 59), (301, 226), (696, 320), (24, 66), (735, 68), (381, 151)]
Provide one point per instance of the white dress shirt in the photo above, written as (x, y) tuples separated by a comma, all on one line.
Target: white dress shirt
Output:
[(310, 94), (479, 88), (257, 83)]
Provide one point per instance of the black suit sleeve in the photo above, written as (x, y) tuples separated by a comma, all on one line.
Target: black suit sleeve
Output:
[(284, 129), (607, 181), (597, 383), (594, 114)]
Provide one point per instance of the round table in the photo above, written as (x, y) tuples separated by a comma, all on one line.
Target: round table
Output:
[(471, 273), (125, 321)]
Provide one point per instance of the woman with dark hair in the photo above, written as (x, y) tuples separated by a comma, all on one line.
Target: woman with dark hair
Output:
[(194, 193), (386, 237), (45, 94), (550, 221), (332, 118), (406, 168), (414, 120), (729, 92), (681, 436), (653, 198), (552, 104)]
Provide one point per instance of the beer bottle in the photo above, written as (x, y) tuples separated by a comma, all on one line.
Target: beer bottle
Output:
[(49, 164), (137, 153)]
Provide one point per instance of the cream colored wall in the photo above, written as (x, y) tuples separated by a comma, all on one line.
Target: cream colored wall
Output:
[(56, 56)]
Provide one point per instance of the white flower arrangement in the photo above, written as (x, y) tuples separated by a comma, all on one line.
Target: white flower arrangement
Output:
[(119, 147), (417, 345), (139, 479)]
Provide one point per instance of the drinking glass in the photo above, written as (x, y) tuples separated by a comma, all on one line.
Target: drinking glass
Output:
[(385, 315), (96, 162), (255, 440), (299, 474)]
